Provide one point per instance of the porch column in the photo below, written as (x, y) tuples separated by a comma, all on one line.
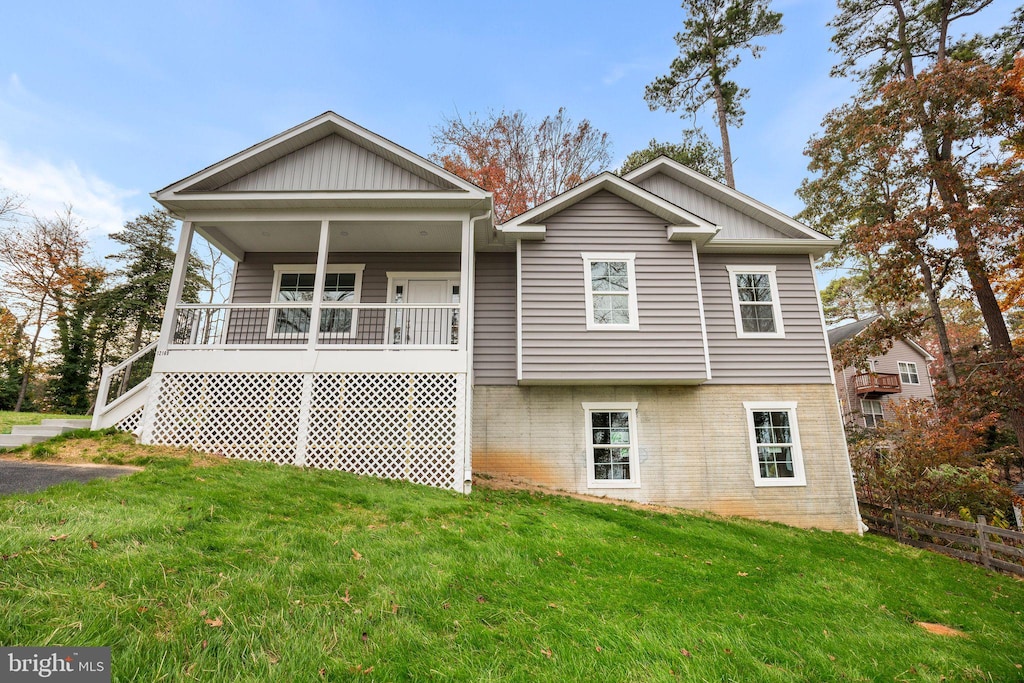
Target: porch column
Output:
[(465, 284), (177, 286), (318, 284)]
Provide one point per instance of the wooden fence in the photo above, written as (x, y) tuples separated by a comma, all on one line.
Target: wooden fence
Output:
[(976, 542)]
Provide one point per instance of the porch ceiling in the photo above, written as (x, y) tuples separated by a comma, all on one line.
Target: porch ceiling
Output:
[(304, 236)]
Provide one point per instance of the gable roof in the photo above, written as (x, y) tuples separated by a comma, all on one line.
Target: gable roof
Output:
[(838, 335), (771, 217), (249, 171), (682, 223)]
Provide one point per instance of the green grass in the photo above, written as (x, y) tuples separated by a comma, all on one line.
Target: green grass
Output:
[(246, 571), (9, 418)]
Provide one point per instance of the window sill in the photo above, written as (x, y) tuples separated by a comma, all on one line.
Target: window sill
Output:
[(779, 483)]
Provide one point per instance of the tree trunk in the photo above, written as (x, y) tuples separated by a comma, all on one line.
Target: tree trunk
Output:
[(937, 319), (723, 128), (31, 357)]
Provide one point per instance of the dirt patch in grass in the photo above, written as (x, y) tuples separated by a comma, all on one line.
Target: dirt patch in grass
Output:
[(107, 449), (940, 629)]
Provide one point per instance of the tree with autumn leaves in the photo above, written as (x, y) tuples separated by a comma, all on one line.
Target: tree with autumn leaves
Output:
[(921, 176)]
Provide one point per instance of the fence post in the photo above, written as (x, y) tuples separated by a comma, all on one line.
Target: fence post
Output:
[(983, 550), (896, 523)]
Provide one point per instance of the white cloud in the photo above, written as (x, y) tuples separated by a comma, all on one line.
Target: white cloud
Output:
[(48, 186)]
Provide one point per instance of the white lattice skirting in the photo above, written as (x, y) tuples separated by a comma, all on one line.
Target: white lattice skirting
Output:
[(396, 425)]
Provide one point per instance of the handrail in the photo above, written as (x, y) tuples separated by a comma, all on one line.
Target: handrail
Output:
[(309, 304), (110, 371)]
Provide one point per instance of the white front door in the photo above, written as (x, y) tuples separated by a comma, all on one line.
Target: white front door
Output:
[(425, 325)]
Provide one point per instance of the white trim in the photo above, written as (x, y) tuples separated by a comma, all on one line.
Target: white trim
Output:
[(519, 310), (588, 284), (824, 327), (634, 445), (799, 479), (753, 245), (305, 268), (716, 190), (527, 232), (780, 328), (634, 194), (908, 363), (700, 309), (177, 285), (331, 123)]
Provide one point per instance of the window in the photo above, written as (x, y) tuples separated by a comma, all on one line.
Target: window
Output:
[(611, 445), (871, 409), (775, 444), (755, 300), (610, 282), (908, 373), (342, 284)]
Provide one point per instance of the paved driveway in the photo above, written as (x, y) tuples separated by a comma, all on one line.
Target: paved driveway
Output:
[(25, 477)]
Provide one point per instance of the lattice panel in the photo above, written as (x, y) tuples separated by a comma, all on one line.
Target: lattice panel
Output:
[(131, 423), (251, 416), (393, 425)]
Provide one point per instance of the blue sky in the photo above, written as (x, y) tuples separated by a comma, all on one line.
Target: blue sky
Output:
[(102, 103)]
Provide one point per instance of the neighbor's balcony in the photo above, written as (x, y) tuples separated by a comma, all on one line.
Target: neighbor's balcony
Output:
[(342, 325), (867, 383)]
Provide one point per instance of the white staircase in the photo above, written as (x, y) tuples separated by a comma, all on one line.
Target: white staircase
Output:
[(122, 392), (22, 435)]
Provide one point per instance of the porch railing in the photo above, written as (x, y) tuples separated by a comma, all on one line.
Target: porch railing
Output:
[(118, 381), (341, 324)]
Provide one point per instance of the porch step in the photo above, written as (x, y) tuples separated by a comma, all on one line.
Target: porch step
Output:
[(15, 440), (74, 424), (40, 430)]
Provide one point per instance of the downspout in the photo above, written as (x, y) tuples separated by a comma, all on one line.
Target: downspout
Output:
[(470, 328)]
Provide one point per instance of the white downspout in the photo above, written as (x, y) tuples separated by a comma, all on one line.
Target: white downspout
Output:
[(470, 317)]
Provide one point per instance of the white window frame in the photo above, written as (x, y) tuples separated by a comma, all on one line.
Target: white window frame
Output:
[(634, 449), (780, 329), (875, 417), (904, 367), (588, 283), (798, 478), (304, 269)]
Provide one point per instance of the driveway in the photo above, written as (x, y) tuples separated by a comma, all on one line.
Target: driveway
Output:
[(25, 477)]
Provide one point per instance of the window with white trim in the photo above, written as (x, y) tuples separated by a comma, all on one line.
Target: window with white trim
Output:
[(297, 283), (612, 445), (908, 373), (871, 409), (610, 284), (755, 300), (775, 444)]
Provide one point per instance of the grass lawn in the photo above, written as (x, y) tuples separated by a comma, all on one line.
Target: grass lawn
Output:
[(201, 569), (9, 418)]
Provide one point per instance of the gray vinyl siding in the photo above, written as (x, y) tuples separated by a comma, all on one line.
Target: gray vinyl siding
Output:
[(332, 163), (889, 363), (798, 358), (557, 347), (735, 225), (494, 338)]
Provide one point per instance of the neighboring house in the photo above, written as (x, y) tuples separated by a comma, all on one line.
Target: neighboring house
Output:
[(656, 337), (866, 396)]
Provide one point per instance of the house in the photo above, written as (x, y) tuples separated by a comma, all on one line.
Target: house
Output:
[(866, 397), (655, 337)]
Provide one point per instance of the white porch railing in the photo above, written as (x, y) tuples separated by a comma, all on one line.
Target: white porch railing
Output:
[(120, 382), (391, 326)]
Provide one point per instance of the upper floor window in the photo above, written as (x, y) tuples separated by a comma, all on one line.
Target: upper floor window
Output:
[(297, 283), (908, 373), (775, 444), (755, 300), (610, 282)]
